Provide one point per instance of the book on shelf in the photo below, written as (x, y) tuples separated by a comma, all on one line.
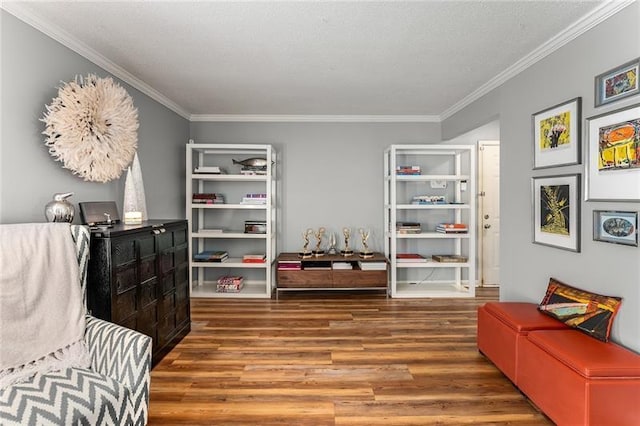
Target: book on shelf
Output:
[(449, 258), (254, 199), (452, 228), (372, 266), (254, 258), (215, 170), (211, 256), (255, 227), (207, 198), (229, 284), (408, 228), (210, 231), (408, 170), (252, 172), (410, 257), (317, 265), (342, 265), (289, 266), (428, 199)]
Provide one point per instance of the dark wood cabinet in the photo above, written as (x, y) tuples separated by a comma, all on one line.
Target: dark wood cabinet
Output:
[(321, 273), (138, 277)]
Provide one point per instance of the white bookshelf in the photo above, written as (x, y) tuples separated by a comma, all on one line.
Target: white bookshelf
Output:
[(220, 227), (452, 170)]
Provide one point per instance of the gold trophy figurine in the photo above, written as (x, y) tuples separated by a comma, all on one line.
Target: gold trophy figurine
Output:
[(365, 253), (346, 252), (318, 251), (306, 253)]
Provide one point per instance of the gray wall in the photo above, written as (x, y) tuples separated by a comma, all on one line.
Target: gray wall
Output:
[(33, 66), (563, 75), (331, 173)]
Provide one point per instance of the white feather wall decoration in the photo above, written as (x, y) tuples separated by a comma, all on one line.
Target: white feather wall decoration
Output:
[(92, 128)]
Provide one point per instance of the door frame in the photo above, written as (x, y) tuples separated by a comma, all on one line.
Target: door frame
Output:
[(481, 143)]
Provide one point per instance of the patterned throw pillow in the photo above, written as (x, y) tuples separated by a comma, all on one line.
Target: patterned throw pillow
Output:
[(588, 312)]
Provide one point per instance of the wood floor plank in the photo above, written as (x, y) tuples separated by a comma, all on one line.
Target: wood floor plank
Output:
[(334, 358)]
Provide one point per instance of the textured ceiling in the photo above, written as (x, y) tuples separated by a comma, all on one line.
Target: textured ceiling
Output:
[(310, 57)]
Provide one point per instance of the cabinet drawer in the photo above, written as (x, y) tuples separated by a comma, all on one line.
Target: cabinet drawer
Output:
[(147, 319), (166, 261), (180, 255), (304, 278), (182, 275), (147, 246), (125, 306), (166, 327), (180, 236), (126, 279), (168, 283), (147, 268), (129, 323), (165, 240), (148, 292), (359, 278), (182, 294), (182, 313), (168, 303), (124, 251)]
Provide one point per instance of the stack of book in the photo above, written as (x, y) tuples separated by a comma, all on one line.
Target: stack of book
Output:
[(229, 284), (254, 199), (255, 227), (428, 199), (410, 258), (449, 258), (452, 228), (289, 265), (372, 266), (254, 258), (342, 265), (317, 265), (408, 228), (208, 198), (253, 170), (407, 170), (214, 170), (211, 256)]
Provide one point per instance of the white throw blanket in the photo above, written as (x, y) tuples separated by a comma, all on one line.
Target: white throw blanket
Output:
[(42, 317)]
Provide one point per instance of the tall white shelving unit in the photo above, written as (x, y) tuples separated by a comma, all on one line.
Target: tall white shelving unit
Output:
[(222, 226), (446, 170)]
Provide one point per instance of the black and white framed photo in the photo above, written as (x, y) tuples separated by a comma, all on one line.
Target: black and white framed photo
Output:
[(617, 83), (615, 227), (556, 211), (612, 165), (556, 135)]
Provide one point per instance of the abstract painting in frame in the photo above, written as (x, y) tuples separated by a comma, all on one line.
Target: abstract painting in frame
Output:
[(613, 155), (617, 83), (556, 211), (556, 135), (616, 227)]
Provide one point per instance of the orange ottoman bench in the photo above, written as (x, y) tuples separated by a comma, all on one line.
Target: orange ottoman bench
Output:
[(578, 380), (501, 328)]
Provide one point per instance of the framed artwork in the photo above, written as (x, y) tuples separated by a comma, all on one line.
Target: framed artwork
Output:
[(616, 227), (556, 135), (613, 155), (556, 211), (617, 83)]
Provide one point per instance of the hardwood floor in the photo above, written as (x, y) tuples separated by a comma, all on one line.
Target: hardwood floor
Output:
[(334, 358)]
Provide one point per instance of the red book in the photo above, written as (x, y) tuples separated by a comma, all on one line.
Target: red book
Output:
[(410, 257)]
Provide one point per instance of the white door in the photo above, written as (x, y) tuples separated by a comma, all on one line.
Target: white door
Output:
[(489, 212)]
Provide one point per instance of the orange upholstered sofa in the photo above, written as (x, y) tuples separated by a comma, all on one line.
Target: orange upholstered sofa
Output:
[(573, 378)]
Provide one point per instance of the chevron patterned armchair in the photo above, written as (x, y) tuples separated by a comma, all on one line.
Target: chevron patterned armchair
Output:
[(110, 388)]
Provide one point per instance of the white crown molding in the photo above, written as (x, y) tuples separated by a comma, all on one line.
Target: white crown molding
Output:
[(316, 118), (80, 48), (596, 16)]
